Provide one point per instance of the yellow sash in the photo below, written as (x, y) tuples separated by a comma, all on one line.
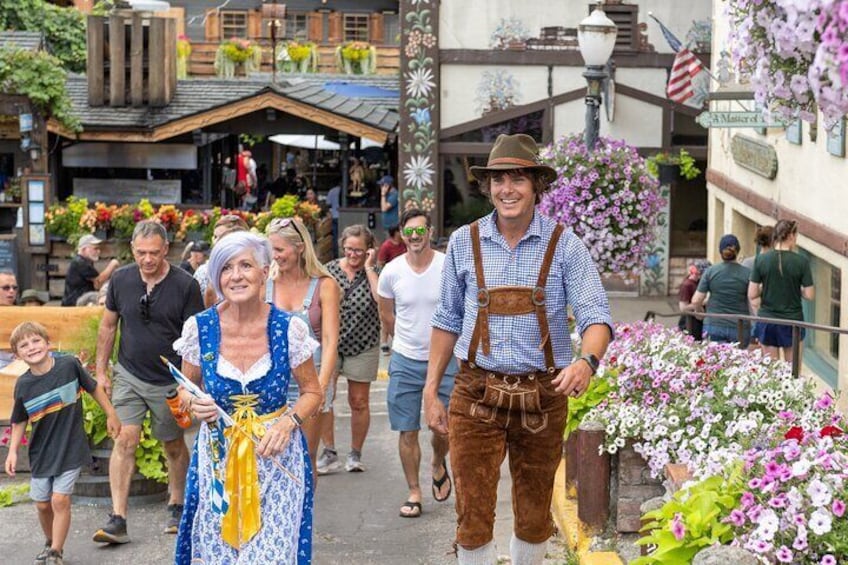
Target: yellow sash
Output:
[(242, 520)]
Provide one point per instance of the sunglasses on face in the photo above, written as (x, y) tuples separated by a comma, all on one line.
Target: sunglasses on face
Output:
[(278, 224), (8, 287), (144, 307), (418, 230)]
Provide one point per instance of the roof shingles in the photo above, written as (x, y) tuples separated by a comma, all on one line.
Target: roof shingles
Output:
[(195, 96)]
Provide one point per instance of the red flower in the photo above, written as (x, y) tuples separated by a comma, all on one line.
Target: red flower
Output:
[(795, 432), (613, 360), (700, 363), (830, 431)]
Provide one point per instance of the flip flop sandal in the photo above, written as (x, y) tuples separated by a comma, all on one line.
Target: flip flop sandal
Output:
[(413, 507), (437, 485)]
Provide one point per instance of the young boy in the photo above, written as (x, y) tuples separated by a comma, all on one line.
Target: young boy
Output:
[(48, 396)]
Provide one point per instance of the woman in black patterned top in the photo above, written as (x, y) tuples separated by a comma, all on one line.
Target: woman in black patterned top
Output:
[(359, 335)]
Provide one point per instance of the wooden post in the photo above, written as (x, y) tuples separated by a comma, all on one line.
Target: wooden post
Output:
[(137, 60), (156, 63), (117, 61), (94, 65), (572, 463), (170, 59), (593, 488)]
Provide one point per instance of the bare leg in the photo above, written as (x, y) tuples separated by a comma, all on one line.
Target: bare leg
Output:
[(773, 352), (177, 455), (360, 418), (61, 504), (787, 354), (328, 420), (45, 518), (121, 467), (410, 460), (440, 452)]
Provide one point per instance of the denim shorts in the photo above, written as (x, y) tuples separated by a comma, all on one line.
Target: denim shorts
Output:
[(775, 335), (406, 390), (727, 334), (42, 488)]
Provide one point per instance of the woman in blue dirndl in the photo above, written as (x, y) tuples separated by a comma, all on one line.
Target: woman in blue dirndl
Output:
[(249, 488)]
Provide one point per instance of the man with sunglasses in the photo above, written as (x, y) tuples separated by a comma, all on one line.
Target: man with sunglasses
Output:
[(409, 293), (151, 300), (8, 288)]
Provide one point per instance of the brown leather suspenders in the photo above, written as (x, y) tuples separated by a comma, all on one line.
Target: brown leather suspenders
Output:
[(511, 300)]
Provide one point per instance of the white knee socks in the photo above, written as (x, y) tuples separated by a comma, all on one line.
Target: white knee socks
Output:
[(525, 553), (484, 555)]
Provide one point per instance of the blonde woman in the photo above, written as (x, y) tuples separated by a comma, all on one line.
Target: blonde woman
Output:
[(300, 285)]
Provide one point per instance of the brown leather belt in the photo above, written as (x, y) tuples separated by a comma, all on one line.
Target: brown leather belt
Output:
[(466, 367)]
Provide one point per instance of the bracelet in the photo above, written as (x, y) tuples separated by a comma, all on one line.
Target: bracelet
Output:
[(372, 269), (298, 422)]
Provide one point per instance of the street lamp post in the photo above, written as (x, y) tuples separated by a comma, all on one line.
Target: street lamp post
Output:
[(596, 38)]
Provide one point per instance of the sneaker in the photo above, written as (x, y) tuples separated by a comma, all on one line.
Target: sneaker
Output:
[(328, 462), (54, 558), (353, 464), (175, 514), (114, 532), (42, 556)]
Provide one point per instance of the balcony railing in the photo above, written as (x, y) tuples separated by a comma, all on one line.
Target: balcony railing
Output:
[(202, 59)]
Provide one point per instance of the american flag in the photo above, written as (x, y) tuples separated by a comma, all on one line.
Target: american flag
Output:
[(686, 67)]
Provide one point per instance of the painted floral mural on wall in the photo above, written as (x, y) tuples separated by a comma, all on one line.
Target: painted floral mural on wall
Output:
[(419, 95), (497, 90)]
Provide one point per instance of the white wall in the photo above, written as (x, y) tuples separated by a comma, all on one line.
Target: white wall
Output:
[(468, 24)]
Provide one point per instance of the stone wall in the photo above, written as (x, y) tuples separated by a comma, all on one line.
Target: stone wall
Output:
[(632, 485)]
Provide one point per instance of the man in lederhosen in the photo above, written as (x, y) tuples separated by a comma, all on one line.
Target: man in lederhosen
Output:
[(508, 279)]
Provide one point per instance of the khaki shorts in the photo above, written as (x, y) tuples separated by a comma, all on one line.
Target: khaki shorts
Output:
[(132, 398), (360, 368)]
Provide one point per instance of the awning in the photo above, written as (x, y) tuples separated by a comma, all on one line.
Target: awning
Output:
[(316, 142)]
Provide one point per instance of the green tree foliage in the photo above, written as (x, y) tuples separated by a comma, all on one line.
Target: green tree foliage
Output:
[(63, 28), (40, 77)]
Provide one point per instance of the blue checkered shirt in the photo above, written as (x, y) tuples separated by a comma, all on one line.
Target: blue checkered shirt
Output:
[(515, 340)]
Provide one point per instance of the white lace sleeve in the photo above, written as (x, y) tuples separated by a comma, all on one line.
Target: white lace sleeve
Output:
[(188, 344), (301, 344)]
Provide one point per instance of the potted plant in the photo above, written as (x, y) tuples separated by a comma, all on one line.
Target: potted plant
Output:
[(63, 221), (170, 218), (357, 57), (193, 226), (607, 197), (183, 55), (237, 56), (298, 57), (666, 166)]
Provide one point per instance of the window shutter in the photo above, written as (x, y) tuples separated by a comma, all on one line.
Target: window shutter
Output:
[(254, 24), (626, 18), (336, 28), (315, 27), (213, 25), (376, 33)]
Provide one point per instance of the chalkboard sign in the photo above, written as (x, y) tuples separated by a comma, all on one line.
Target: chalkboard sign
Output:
[(9, 253)]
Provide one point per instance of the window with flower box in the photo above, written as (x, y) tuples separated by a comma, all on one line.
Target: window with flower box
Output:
[(355, 27), (294, 26), (233, 24)]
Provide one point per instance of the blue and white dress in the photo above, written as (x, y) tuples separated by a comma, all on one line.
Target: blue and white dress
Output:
[(285, 535)]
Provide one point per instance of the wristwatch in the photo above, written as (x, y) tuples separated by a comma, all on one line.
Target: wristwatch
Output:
[(592, 361)]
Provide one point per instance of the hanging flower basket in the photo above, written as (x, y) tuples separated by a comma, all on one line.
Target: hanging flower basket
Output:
[(237, 56), (607, 197), (298, 57), (829, 71), (183, 55), (357, 58)]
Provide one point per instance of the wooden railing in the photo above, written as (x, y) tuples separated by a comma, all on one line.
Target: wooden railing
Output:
[(202, 60)]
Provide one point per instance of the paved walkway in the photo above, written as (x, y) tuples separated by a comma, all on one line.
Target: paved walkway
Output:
[(356, 514)]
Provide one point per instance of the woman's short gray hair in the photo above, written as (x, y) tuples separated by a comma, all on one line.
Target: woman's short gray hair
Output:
[(230, 246)]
